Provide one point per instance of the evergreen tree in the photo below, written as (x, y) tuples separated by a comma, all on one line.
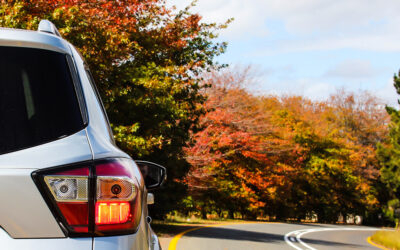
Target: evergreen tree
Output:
[(389, 157)]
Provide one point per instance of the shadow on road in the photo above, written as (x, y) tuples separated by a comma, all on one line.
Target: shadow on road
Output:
[(331, 243), (256, 235), (306, 224), (234, 234), (243, 235), (168, 230)]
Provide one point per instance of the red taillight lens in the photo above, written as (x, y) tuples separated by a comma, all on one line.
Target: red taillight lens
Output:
[(100, 198), (76, 215), (70, 191)]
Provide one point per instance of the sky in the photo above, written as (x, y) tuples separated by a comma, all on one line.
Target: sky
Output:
[(311, 47)]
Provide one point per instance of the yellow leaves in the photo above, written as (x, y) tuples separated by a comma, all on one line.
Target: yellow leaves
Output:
[(128, 137), (321, 154)]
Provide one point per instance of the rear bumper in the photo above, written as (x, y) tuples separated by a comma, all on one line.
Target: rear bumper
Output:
[(6, 242), (144, 239), (126, 242)]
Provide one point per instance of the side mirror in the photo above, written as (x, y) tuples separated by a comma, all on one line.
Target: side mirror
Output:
[(154, 175)]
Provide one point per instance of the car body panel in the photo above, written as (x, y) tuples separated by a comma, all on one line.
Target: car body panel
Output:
[(98, 131), (23, 212), (7, 242), (52, 154), (139, 240), (143, 239), (33, 39)]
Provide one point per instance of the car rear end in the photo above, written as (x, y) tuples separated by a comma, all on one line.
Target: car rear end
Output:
[(63, 182), (41, 126)]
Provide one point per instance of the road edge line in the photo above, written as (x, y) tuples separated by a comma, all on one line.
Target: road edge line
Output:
[(375, 244), (174, 241), (302, 232)]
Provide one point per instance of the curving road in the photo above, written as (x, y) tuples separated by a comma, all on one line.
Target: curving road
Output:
[(257, 236)]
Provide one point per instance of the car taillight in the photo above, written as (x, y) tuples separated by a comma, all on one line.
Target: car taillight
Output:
[(69, 190), (117, 198), (93, 199)]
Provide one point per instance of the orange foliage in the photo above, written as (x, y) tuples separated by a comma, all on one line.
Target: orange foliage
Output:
[(287, 156)]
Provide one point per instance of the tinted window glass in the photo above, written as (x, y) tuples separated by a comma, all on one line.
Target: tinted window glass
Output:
[(38, 103)]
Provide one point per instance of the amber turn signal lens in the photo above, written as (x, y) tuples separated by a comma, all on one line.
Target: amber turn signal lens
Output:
[(112, 212)]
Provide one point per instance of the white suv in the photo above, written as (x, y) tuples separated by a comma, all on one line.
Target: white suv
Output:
[(63, 182)]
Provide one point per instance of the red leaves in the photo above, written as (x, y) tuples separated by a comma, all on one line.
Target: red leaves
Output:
[(258, 148)]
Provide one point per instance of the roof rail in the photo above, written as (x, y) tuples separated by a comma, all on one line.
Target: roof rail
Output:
[(48, 27)]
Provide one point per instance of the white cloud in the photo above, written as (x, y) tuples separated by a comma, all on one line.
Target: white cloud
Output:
[(353, 69), (309, 16), (282, 27), (356, 24), (366, 42), (249, 18)]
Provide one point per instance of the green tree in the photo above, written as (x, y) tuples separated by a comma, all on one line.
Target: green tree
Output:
[(389, 157)]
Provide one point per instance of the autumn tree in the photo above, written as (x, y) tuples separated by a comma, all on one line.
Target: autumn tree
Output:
[(227, 147), (146, 59), (285, 157)]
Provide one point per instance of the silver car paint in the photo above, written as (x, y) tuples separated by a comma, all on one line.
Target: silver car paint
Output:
[(99, 135), (27, 215), (139, 240), (32, 39), (8, 243), (94, 142), (103, 146), (51, 154)]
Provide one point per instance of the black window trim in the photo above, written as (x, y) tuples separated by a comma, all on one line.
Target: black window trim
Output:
[(78, 90)]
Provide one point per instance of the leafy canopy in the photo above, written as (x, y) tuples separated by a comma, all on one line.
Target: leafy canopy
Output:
[(146, 59), (284, 157), (389, 157)]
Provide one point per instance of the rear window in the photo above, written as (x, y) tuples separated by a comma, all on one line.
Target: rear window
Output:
[(38, 103)]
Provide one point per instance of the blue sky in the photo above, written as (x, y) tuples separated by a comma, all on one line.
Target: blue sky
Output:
[(311, 47)]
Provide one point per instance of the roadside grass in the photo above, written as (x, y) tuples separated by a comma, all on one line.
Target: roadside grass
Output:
[(389, 239), (197, 220)]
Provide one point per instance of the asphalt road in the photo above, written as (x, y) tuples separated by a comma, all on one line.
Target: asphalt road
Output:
[(255, 236)]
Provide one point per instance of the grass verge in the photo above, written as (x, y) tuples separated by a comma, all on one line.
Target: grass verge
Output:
[(389, 239)]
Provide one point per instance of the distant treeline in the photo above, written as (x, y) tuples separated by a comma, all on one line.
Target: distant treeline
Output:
[(286, 157)]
